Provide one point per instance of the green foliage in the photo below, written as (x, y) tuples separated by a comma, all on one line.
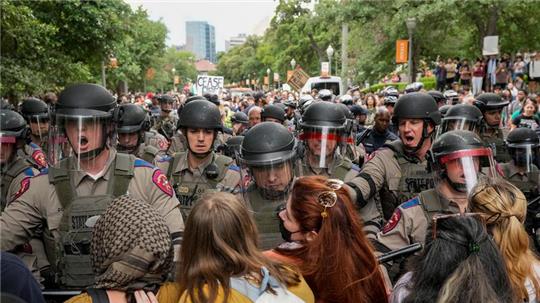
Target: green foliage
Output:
[(445, 28), (46, 45)]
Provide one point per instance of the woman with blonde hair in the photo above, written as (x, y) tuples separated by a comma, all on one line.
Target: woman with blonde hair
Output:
[(222, 263), (505, 208)]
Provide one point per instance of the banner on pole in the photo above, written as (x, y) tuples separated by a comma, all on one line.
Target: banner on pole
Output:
[(402, 51)]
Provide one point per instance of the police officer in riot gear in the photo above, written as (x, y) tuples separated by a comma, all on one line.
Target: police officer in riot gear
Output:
[(134, 136), (414, 87), (240, 123), (461, 116), (491, 106), (397, 171), (391, 96), (36, 114), (166, 124), (324, 135), (199, 169), (452, 96), (444, 109), (178, 141), (523, 170), (454, 160), (13, 169), (360, 115), (268, 154), (325, 95), (273, 113), (86, 174), (352, 151), (439, 97)]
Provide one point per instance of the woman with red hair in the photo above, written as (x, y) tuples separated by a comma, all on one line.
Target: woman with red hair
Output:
[(325, 240)]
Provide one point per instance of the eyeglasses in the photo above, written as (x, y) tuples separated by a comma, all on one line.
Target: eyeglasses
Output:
[(437, 218), (328, 199)]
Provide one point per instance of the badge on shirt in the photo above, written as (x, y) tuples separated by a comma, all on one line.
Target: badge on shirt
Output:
[(39, 157), (183, 189), (394, 220), (25, 184), (161, 181)]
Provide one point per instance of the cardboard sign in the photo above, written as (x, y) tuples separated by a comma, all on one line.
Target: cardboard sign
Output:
[(325, 69), (298, 79), (402, 51), (491, 45), (209, 84)]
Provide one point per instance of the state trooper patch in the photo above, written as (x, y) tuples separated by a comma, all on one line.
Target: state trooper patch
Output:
[(25, 185), (161, 181), (39, 157), (163, 144), (394, 220)]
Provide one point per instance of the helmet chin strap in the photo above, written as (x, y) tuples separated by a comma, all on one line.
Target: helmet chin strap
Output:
[(459, 187)]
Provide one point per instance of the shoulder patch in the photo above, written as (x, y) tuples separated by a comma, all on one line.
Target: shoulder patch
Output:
[(163, 159), (392, 223), (142, 163), (24, 186), (162, 183), (163, 144), (412, 202), (39, 157), (234, 167)]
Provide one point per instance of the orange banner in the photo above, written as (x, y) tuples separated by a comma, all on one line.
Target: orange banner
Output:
[(402, 51)]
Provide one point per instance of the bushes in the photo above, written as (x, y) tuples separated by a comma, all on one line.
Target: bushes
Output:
[(429, 84)]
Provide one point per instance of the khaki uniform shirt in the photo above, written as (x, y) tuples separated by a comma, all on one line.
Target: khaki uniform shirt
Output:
[(528, 183), (409, 223), (304, 169), (39, 202), (19, 184), (196, 178)]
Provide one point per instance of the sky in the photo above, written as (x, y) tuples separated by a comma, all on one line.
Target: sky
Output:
[(229, 18)]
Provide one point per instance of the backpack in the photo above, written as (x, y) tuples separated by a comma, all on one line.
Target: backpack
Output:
[(259, 294)]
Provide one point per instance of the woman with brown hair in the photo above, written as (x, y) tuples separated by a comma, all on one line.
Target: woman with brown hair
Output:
[(326, 241), (505, 208), (222, 263)]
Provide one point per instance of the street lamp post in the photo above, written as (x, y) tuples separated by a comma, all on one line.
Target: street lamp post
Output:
[(268, 75), (411, 25), (173, 70), (293, 63), (330, 53)]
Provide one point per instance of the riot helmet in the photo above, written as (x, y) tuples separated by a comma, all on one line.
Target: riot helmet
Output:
[(36, 114), (273, 113), (240, 117), (438, 96), (166, 103), (323, 132), (452, 96), (346, 99), (390, 95), (444, 109), (82, 127), (132, 123), (462, 116), (268, 151), (13, 134), (460, 158), (524, 148), (325, 95), (416, 106), (304, 102), (231, 148), (491, 106), (200, 116), (414, 87)]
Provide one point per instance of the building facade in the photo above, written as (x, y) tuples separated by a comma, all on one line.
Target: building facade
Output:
[(201, 40)]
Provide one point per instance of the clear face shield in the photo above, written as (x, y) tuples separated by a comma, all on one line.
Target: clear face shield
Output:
[(8, 146), (39, 125), (458, 123), (272, 180), (322, 144), (77, 142), (525, 156), (463, 169)]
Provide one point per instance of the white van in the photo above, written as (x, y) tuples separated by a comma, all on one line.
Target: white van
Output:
[(332, 83)]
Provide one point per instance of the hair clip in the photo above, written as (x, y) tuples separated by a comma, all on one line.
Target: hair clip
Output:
[(474, 247), (328, 199)]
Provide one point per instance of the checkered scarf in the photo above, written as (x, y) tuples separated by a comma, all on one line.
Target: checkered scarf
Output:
[(131, 246)]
